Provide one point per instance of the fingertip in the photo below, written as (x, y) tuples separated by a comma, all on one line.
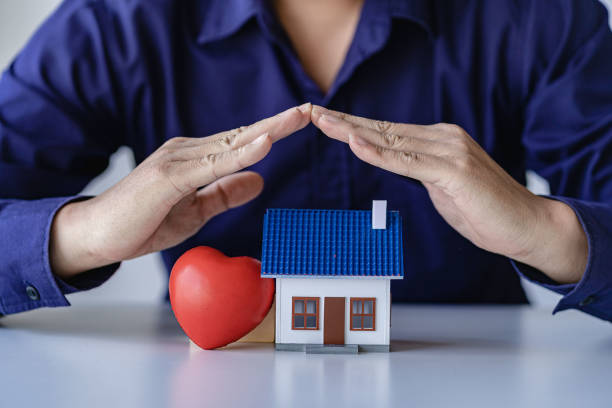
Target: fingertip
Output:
[(253, 186), (305, 108), (252, 181), (287, 122), (258, 182), (301, 110), (236, 189), (316, 113), (290, 121), (305, 115)]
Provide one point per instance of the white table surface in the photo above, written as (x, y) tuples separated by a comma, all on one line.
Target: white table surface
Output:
[(443, 356)]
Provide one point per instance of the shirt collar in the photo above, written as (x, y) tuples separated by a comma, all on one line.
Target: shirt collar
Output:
[(222, 18), (417, 11)]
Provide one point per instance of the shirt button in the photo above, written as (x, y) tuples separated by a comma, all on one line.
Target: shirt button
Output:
[(32, 293), (587, 301)]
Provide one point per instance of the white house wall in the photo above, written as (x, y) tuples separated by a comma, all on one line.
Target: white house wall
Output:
[(287, 288)]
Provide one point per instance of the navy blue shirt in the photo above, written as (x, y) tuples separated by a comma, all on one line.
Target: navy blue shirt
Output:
[(531, 81)]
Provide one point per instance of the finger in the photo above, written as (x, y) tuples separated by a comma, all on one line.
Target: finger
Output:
[(210, 167), (340, 129), (229, 192), (419, 166), (378, 125), (278, 127), (283, 124)]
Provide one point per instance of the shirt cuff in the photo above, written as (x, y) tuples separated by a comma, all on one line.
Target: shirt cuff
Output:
[(87, 280), (26, 281), (593, 294)]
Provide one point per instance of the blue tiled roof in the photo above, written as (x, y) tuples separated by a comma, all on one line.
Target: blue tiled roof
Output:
[(332, 243)]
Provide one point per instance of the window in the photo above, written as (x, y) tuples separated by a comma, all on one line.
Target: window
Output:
[(305, 314), (363, 314)]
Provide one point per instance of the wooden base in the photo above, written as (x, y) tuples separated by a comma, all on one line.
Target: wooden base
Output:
[(265, 332)]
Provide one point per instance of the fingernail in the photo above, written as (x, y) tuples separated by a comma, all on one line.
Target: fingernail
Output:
[(357, 140), (260, 139), (305, 107), (330, 118)]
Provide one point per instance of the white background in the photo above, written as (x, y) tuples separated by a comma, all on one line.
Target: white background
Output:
[(141, 280)]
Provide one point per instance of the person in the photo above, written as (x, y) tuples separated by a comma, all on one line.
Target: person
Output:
[(437, 107)]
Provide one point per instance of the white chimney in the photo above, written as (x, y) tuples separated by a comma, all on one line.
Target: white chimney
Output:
[(379, 214)]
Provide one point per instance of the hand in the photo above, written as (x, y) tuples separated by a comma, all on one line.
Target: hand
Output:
[(158, 205), (469, 190)]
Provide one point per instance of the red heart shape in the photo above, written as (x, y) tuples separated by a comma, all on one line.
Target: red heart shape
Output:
[(217, 299)]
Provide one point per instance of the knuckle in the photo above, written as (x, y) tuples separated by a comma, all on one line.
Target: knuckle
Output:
[(452, 129), (173, 142), (229, 140), (169, 147), (462, 147), (391, 140), (383, 126), (459, 138), (210, 163), (164, 153), (209, 160), (411, 141), (409, 158)]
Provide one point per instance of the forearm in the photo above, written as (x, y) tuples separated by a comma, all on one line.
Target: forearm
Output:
[(69, 252), (558, 244)]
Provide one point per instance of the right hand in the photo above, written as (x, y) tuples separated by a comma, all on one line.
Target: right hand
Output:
[(158, 205)]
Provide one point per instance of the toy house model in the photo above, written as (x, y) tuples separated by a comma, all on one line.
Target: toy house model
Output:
[(333, 270)]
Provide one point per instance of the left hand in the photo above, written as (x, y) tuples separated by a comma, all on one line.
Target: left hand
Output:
[(470, 190)]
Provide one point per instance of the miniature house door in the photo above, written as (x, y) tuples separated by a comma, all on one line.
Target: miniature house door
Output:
[(333, 320)]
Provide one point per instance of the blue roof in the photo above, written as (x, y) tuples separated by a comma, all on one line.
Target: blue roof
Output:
[(331, 243)]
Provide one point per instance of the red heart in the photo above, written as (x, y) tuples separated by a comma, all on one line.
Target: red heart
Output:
[(217, 299)]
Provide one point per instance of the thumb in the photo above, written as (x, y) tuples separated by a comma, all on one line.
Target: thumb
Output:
[(229, 192)]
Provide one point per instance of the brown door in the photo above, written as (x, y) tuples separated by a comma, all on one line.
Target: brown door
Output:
[(333, 321)]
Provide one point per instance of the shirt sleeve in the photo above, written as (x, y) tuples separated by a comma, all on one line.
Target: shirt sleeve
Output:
[(568, 134), (59, 123)]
